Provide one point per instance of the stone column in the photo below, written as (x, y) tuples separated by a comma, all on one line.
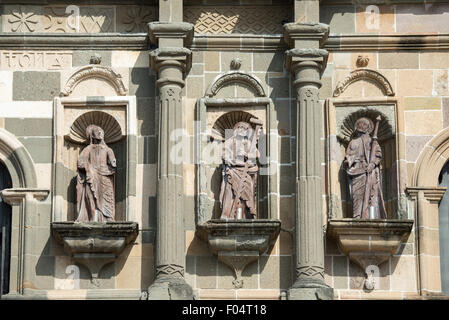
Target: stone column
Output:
[(171, 61), (306, 61)]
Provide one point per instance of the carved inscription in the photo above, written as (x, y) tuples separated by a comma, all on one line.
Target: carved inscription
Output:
[(35, 60)]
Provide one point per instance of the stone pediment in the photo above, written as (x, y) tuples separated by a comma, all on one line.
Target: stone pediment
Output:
[(368, 75), (236, 77)]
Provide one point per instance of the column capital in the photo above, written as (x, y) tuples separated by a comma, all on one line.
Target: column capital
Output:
[(303, 35), (17, 195), (171, 57), (170, 30), (432, 194), (297, 59)]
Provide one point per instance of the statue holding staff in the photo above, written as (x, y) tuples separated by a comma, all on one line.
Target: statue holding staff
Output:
[(95, 181), (240, 169), (362, 163)]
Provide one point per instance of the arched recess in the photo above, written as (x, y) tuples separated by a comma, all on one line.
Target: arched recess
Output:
[(17, 160), (429, 193), (368, 75), (95, 72), (431, 160), (236, 77)]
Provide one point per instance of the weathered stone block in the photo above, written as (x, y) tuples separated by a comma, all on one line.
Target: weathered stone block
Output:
[(141, 82), (423, 123), (275, 272), (340, 272), (22, 127), (422, 103), (82, 57), (206, 272), (414, 146), (369, 21), (40, 149), (399, 60), (35, 85), (339, 18), (267, 61)]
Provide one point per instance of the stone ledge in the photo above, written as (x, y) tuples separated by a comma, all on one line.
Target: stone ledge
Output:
[(369, 242)]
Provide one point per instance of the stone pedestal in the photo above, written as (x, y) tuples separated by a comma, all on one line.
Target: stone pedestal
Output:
[(171, 61), (237, 243), (369, 242), (94, 244), (307, 65)]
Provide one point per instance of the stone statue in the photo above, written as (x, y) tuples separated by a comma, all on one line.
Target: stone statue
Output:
[(95, 184), (240, 169), (362, 163)]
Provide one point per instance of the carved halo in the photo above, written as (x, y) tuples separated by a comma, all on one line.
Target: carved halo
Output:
[(235, 77), (364, 74), (346, 129), (95, 71), (112, 130), (228, 121)]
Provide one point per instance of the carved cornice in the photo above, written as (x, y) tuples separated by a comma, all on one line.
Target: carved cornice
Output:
[(431, 194), (17, 195), (364, 74), (95, 71), (178, 30), (305, 31), (235, 77)]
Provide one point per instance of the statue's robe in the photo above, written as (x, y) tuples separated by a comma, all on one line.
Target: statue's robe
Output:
[(365, 187), (238, 188), (95, 184)]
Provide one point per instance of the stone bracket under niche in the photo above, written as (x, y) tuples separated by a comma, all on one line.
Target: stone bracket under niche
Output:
[(369, 242), (94, 244), (237, 243)]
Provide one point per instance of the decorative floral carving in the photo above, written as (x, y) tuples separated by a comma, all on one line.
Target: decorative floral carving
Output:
[(242, 19), (95, 71), (236, 77), (364, 74), (23, 21), (236, 63), (362, 61), (137, 17)]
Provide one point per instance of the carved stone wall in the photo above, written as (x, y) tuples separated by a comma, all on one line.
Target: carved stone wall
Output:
[(238, 19)]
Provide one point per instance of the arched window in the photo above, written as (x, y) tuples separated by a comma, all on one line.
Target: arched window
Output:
[(5, 232), (443, 216)]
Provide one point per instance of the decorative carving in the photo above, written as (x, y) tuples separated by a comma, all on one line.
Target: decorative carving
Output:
[(35, 60), (95, 183), (364, 74), (242, 19), (240, 169), (96, 20), (112, 130), (310, 272), (362, 162), (55, 20), (95, 71), (236, 63), (228, 120), (348, 124), (362, 61), (170, 270), (236, 77), (23, 19), (95, 59), (136, 18)]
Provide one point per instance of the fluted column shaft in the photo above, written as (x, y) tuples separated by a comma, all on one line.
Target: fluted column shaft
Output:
[(171, 61)]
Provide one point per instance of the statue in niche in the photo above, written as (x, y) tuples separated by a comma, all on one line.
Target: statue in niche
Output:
[(95, 182), (240, 169), (362, 163)]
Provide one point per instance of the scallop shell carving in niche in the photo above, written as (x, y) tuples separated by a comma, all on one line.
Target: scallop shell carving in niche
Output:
[(110, 126), (228, 121), (347, 126)]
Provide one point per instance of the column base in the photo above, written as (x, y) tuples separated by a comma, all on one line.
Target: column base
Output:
[(310, 290), (170, 288)]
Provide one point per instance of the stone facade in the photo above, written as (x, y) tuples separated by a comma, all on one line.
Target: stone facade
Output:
[(306, 69)]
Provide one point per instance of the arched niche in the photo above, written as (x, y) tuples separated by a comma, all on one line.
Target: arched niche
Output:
[(22, 195), (341, 114), (117, 117), (231, 97), (94, 80)]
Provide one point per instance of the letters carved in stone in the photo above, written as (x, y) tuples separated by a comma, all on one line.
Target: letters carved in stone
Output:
[(362, 163), (95, 181), (35, 60), (240, 170)]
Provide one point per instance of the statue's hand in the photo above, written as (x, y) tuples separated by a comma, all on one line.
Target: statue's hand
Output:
[(371, 167)]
